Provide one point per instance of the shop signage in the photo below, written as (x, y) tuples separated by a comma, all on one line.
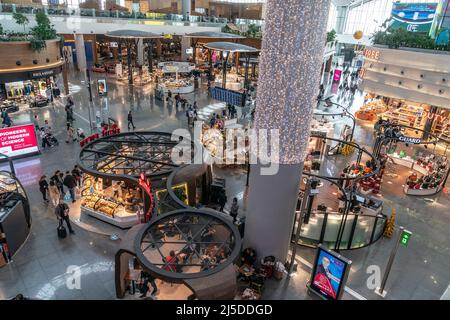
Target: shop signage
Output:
[(41, 74), (146, 185), (329, 274), (113, 44), (372, 54), (410, 140), (405, 237), (18, 141)]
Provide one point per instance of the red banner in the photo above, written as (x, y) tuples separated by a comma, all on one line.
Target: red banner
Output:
[(17, 141)]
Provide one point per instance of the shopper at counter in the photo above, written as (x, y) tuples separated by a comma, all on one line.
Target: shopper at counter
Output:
[(54, 193), (71, 183)]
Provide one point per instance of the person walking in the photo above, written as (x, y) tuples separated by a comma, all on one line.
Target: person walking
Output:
[(71, 183), (36, 123), (62, 213), (44, 139), (43, 187), (130, 120), (56, 178), (70, 133), (222, 200), (54, 193), (147, 278), (234, 210)]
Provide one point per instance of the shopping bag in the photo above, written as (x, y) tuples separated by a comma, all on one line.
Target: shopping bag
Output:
[(67, 196)]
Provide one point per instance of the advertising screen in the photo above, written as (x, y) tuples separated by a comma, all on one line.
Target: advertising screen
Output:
[(415, 17), (102, 88), (337, 75), (329, 274), (18, 141)]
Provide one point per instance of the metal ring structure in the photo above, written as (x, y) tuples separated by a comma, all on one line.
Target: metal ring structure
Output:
[(153, 158), (361, 150), (148, 239)]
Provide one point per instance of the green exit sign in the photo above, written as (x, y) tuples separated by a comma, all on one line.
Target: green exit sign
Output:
[(404, 239)]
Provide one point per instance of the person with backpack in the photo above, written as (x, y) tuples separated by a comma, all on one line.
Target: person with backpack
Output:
[(62, 213), (234, 210)]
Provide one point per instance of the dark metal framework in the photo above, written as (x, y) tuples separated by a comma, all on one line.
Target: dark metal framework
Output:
[(183, 231), (343, 113), (130, 154)]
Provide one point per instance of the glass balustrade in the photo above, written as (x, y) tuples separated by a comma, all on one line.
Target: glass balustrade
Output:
[(115, 14)]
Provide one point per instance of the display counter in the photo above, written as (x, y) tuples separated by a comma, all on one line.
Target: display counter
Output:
[(421, 191), (113, 204), (177, 86)]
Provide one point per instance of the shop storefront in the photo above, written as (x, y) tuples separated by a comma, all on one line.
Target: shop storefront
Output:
[(176, 77), (29, 78), (408, 87), (15, 218)]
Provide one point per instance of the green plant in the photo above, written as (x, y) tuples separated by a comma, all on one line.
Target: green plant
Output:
[(21, 20), (331, 36), (37, 44), (44, 29)]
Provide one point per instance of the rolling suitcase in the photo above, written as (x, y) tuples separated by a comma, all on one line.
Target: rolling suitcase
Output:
[(62, 232)]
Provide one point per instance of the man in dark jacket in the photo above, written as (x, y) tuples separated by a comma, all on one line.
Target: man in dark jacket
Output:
[(62, 213), (147, 278), (130, 120), (70, 182)]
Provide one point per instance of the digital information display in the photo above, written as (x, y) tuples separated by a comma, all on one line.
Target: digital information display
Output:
[(329, 274), (18, 141), (229, 96)]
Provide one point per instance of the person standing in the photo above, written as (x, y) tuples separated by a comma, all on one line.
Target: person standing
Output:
[(36, 123), (130, 120), (222, 199), (234, 210), (43, 187), (58, 181), (76, 173), (147, 278), (62, 213), (71, 183), (44, 139), (54, 193)]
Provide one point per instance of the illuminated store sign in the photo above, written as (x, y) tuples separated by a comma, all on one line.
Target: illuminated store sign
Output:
[(409, 140), (146, 185), (18, 141), (372, 54)]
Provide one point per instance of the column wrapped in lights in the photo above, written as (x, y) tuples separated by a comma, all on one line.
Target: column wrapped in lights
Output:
[(291, 55)]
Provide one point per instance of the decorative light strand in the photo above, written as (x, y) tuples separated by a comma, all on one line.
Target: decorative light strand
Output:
[(290, 63)]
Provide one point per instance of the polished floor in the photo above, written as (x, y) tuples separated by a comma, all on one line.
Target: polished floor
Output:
[(40, 268)]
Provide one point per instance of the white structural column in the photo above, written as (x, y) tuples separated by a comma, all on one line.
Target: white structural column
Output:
[(140, 52), (185, 7), (290, 62), (80, 51), (341, 18), (185, 44)]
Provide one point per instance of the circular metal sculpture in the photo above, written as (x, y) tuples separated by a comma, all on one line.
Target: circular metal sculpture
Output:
[(131, 154), (187, 244)]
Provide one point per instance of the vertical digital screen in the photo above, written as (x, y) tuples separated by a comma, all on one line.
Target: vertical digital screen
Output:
[(328, 275), (337, 75)]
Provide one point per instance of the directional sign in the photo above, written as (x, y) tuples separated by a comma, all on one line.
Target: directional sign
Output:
[(404, 239)]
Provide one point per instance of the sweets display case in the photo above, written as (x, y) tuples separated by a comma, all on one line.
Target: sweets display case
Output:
[(103, 204)]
